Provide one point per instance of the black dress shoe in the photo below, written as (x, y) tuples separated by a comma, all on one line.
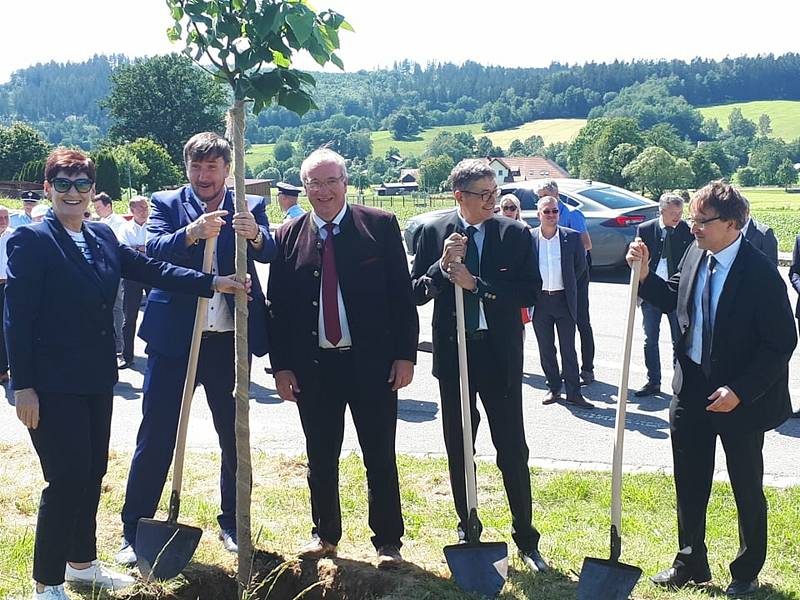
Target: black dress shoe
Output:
[(551, 397), (648, 389), (579, 401), (587, 377), (676, 578), (534, 561), (739, 588)]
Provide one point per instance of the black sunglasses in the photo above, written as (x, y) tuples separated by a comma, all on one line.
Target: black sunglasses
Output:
[(62, 185)]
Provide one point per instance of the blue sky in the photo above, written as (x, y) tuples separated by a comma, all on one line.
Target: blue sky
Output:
[(502, 32)]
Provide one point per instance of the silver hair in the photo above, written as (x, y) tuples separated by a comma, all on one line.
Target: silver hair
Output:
[(543, 200), (468, 171), (137, 199), (547, 185), (669, 199), (319, 156)]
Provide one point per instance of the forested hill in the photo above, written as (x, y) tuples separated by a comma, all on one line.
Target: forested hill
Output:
[(62, 99)]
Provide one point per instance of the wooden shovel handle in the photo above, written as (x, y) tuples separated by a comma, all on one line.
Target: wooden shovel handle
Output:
[(191, 373), (466, 415)]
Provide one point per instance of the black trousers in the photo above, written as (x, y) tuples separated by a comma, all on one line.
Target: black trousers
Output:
[(552, 312), (72, 443), (131, 300), (3, 351), (502, 401), (584, 326), (373, 407), (693, 445)]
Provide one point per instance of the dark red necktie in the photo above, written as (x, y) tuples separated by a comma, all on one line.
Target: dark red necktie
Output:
[(330, 284)]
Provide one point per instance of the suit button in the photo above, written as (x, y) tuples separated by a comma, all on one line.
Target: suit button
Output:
[(451, 338), (454, 313), (316, 273), (103, 306), (314, 303), (316, 362), (313, 333), (102, 332)]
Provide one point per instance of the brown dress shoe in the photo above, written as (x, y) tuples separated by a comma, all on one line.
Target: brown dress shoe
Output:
[(551, 397), (389, 557), (317, 548)]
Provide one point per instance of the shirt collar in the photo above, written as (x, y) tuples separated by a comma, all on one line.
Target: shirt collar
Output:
[(466, 225), (337, 220), (746, 225), (727, 255)]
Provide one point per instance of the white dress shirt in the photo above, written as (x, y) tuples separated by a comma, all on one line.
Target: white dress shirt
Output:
[(114, 221), (132, 234), (662, 270), (725, 258), (478, 236), (323, 340), (550, 262), (4, 252)]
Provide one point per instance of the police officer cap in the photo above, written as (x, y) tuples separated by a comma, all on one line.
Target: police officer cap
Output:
[(288, 189), (31, 196)]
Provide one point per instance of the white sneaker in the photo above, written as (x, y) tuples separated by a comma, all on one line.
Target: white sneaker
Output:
[(126, 555), (51, 592), (98, 576)]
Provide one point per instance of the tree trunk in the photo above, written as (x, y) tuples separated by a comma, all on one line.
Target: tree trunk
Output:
[(244, 468)]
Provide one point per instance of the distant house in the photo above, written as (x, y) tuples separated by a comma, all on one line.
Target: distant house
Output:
[(409, 175), (509, 169), (258, 187), (395, 159), (396, 189)]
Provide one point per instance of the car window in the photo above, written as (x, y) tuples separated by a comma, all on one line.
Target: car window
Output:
[(614, 199), (571, 201)]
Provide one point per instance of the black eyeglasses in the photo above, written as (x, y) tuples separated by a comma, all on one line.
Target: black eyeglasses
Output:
[(701, 223), (550, 211), (62, 185), (511, 208), (484, 195)]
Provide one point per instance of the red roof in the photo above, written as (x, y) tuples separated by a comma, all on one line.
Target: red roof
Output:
[(524, 168)]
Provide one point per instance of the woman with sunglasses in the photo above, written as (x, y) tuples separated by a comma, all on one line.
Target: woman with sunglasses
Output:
[(510, 207), (62, 278)]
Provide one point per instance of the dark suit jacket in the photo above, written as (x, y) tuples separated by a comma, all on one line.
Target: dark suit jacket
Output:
[(573, 263), (794, 273), (509, 280), (761, 237), (753, 340), (169, 317), (59, 325), (373, 276), (651, 232)]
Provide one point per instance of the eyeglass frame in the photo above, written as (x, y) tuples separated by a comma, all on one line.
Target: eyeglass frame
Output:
[(316, 185), (73, 183), (550, 211), (484, 195), (701, 223), (509, 207)]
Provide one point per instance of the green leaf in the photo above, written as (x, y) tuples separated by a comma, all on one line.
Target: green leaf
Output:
[(268, 20), (301, 20), (281, 60), (296, 100), (266, 85), (174, 32), (337, 61), (177, 11)]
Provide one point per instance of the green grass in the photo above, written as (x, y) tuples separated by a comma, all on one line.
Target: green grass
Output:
[(784, 115), (258, 153), (570, 509), (778, 209)]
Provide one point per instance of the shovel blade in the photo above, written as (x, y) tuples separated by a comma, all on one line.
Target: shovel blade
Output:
[(607, 580), (164, 548), (480, 568)]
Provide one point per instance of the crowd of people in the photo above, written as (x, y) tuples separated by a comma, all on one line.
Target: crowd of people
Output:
[(340, 309)]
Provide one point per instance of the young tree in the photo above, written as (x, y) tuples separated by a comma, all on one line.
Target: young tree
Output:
[(764, 125), (434, 171), (656, 170), (283, 151), (161, 172), (242, 39), (107, 175), (786, 174), (19, 144)]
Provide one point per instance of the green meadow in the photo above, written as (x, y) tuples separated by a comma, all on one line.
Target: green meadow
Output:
[(784, 115)]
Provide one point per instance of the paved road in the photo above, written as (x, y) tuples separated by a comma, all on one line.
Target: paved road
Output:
[(558, 437)]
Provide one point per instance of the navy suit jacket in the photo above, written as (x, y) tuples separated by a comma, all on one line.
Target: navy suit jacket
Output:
[(761, 237), (794, 273), (753, 337), (59, 326), (573, 263), (169, 316)]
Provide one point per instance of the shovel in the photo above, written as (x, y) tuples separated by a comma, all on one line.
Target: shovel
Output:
[(610, 579), (477, 567), (164, 548)]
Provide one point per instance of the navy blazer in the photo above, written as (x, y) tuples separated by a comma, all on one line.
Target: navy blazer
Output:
[(59, 326), (753, 337), (508, 280), (573, 263), (169, 317), (762, 238)]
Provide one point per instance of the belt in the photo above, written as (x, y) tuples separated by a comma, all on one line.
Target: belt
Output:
[(211, 334), (480, 334), (552, 292), (338, 350)]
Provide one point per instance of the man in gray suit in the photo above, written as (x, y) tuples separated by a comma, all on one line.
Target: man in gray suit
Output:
[(559, 254)]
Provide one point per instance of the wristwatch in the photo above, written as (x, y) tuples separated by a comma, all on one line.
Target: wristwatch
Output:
[(256, 241)]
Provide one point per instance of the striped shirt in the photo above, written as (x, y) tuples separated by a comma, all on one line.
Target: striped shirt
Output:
[(80, 242)]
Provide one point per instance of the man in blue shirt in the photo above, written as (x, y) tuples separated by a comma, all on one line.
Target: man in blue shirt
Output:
[(29, 200), (574, 219), (287, 200)]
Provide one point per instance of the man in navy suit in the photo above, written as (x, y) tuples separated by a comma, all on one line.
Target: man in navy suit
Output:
[(761, 237), (666, 238), (794, 277), (561, 260), (180, 223)]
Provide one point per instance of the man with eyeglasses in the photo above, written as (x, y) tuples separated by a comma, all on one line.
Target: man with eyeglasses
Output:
[(180, 223), (666, 238), (731, 378), (561, 260), (491, 258), (344, 333), (569, 216)]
